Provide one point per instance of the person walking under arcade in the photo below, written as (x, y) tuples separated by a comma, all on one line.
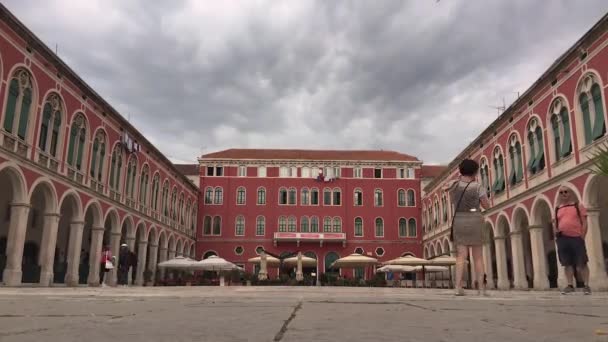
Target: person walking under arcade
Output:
[(468, 197), (570, 227), (107, 263), (124, 263)]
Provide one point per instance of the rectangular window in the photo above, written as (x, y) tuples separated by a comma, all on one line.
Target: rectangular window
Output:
[(410, 173), (291, 200), (336, 171), (242, 171), (327, 198), (210, 171), (358, 227), (293, 172), (378, 198), (358, 172), (327, 225), (260, 228), (262, 171), (358, 198), (219, 171), (305, 172), (337, 198), (283, 172), (240, 197), (314, 172), (377, 173), (240, 227), (305, 197), (401, 173), (261, 196)]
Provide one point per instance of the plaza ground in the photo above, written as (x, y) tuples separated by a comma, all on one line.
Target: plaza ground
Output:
[(296, 314)]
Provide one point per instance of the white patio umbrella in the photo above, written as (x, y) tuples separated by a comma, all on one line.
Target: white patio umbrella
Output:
[(443, 260), (408, 261), (354, 260), (270, 260), (306, 261), (432, 269), (179, 262), (215, 263), (397, 268)]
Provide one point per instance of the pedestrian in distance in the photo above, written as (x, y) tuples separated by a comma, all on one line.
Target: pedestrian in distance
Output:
[(107, 264)]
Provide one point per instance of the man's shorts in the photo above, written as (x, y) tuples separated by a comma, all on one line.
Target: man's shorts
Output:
[(572, 251)]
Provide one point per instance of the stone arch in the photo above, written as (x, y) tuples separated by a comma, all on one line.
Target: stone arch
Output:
[(15, 182), (503, 222), (447, 248), (77, 201), (537, 206), (404, 254), (91, 246), (521, 224), (542, 216), (127, 228), (209, 253), (179, 248), (68, 241), (49, 193), (95, 208), (596, 199), (162, 239), (171, 245)]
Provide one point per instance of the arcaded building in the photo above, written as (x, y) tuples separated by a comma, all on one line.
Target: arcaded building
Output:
[(75, 175)]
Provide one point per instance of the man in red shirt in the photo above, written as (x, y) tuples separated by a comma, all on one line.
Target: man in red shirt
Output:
[(570, 226)]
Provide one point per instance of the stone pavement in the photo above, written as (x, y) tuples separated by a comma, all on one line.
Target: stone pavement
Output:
[(296, 314)]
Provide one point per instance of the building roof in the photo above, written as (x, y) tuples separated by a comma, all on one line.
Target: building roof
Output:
[(187, 169), (432, 171), (62, 68), (284, 154)]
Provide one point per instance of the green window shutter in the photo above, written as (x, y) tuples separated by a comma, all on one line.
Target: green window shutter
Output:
[(11, 104), (81, 142), (94, 157), (496, 177), (133, 173), (541, 149), (520, 172), (512, 175), (44, 127), (584, 101), (102, 155), (128, 180), (566, 147), (118, 169), (532, 161), (141, 188), (26, 103), (556, 137), (55, 134), (599, 126), (501, 166), (112, 170), (73, 136), (412, 228)]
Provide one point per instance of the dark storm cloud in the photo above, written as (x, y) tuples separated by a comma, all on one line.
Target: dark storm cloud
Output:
[(415, 76)]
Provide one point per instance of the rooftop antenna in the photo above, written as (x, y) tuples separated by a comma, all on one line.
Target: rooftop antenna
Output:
[(500, 109)]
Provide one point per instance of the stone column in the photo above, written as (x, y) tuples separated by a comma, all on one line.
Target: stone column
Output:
[(539, 258), (73, 257), (501, 263), (130, 241), (519, 268), (115, 249), (163, 257), (141, 262), (153, 261), (14, 245), (597, 268), (95, 255), (171, 254), (47, 248), (487, 264)]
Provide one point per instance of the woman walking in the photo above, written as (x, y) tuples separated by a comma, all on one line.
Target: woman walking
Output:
[(107, 263), (468, 197)]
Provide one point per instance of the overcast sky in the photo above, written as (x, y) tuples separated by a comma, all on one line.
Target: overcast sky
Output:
[(416, 76)]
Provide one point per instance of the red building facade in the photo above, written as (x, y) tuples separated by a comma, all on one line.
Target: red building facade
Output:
[(326, 204), (75, 175)]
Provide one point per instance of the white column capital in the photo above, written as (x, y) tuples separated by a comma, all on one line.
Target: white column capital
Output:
[(143, 242), (515, 233), (24, 205), (593, 211), (154, 245), (98, 229), (57, 215), (535, 227), (499, 237), (116, 234)]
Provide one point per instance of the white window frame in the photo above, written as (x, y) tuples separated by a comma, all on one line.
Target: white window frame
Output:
[(262, 171), (306, 172), (357, 172), (411, 173), (381, 173), (242, 172)]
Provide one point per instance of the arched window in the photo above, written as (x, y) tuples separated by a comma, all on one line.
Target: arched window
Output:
[(239, 229), (166, 199), (436, 214), (291, 224), (217, 225), (18, 103), (592, 109), (98, 155), (314, 224), (186, 213), (261, 196), (326, 196), (423, 220), (444, 207), (330, 258), (337, 225), (131, 172), (50, 127), (207, 225), (499, 173), (293, 194), (209, 195), (115, 167), (260, 228), (240, 196), (193, 221), (180, 209), (327, 225), (314, 196), (337, 196), (378, 200), (305, 200), (560, 128), (282, 196), (218, 197), (536, 161), (282, 224), (379, 227), (411, 225), (143, 184), (411, 198), (78, 136), (484, 172), (155, 189), (516, 173), (402, 227), (358, 200), (174, 204), (304, 228), (401, 198), (358, 226)]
